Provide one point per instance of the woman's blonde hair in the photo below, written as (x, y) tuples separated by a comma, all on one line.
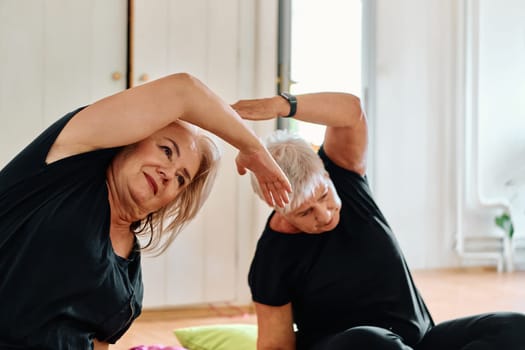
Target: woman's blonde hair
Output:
[(303, 167), (165, 224)]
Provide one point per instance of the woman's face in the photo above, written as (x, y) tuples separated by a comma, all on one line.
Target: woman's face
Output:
[(150, 174), (319, 213)]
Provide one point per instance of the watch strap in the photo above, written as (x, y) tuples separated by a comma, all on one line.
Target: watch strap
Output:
[(292, 100)]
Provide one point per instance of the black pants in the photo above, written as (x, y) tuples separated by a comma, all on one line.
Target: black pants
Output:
[(494, 331)]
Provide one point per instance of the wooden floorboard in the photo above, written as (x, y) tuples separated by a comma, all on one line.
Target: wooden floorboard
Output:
[(449, 293)]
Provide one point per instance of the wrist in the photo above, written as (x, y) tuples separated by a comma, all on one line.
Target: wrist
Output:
[(252, 146), (292, 104)]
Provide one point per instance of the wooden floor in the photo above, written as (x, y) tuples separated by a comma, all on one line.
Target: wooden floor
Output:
[(448, 294)]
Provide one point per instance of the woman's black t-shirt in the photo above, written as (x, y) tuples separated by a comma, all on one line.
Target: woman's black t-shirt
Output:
[(61, 283), (354, 275)]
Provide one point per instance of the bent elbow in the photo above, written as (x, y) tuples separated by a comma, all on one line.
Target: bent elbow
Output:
[(184, 79)]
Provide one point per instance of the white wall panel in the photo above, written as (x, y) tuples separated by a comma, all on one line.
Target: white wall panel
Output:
[(414, 47), (21, 72)]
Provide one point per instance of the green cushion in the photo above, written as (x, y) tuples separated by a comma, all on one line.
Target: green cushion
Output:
[(218, 337)]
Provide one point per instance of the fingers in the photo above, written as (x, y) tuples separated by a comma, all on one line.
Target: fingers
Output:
[(273, 183), (279, 189), (267, 195), (276, 193)]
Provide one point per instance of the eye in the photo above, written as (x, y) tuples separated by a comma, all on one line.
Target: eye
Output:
[(305, 213), (324, 196), (167, 151), (181, 180)]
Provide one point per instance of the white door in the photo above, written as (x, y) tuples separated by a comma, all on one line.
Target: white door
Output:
[(55, 56)]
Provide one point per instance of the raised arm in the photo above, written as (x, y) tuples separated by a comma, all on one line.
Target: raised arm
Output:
[(346, 136), (275, 327), (134, 114), (97, 345)]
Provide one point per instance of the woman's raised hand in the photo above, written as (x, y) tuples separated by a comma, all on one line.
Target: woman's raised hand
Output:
[(272, 181)]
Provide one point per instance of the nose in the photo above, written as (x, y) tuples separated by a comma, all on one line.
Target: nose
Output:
[(324, 215), (166, 172)]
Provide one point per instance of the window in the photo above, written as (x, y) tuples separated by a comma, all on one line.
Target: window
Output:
[(320, 49)]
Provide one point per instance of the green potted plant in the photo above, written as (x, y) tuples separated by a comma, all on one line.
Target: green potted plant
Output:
[(504, 221)]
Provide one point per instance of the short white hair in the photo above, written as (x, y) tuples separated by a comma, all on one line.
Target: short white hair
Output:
[(303, 167)]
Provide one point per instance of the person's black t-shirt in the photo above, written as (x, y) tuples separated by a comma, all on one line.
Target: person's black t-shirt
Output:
[(61, 283), (354, 275)]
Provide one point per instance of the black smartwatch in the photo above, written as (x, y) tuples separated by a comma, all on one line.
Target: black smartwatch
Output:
[(292, 100)]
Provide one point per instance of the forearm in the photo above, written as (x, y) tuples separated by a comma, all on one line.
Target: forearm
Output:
[(325, 108), (148, 108), (275, 327), (280, 347), (208, 111), (97, 345), (346, 136), (286, 346)]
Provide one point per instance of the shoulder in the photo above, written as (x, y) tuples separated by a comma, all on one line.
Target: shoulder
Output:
[(352, 187), (338, 171)]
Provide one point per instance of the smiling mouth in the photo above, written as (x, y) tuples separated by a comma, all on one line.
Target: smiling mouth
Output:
[(152, 183)]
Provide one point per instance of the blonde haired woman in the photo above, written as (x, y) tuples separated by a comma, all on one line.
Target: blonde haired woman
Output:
[(74, 200)]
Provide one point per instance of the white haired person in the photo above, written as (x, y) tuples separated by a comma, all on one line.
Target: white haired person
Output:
[(73, 202), (329, 263)]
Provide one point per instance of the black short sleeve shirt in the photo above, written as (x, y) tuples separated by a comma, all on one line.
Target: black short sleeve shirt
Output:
[(61, 283), (353, 275)]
